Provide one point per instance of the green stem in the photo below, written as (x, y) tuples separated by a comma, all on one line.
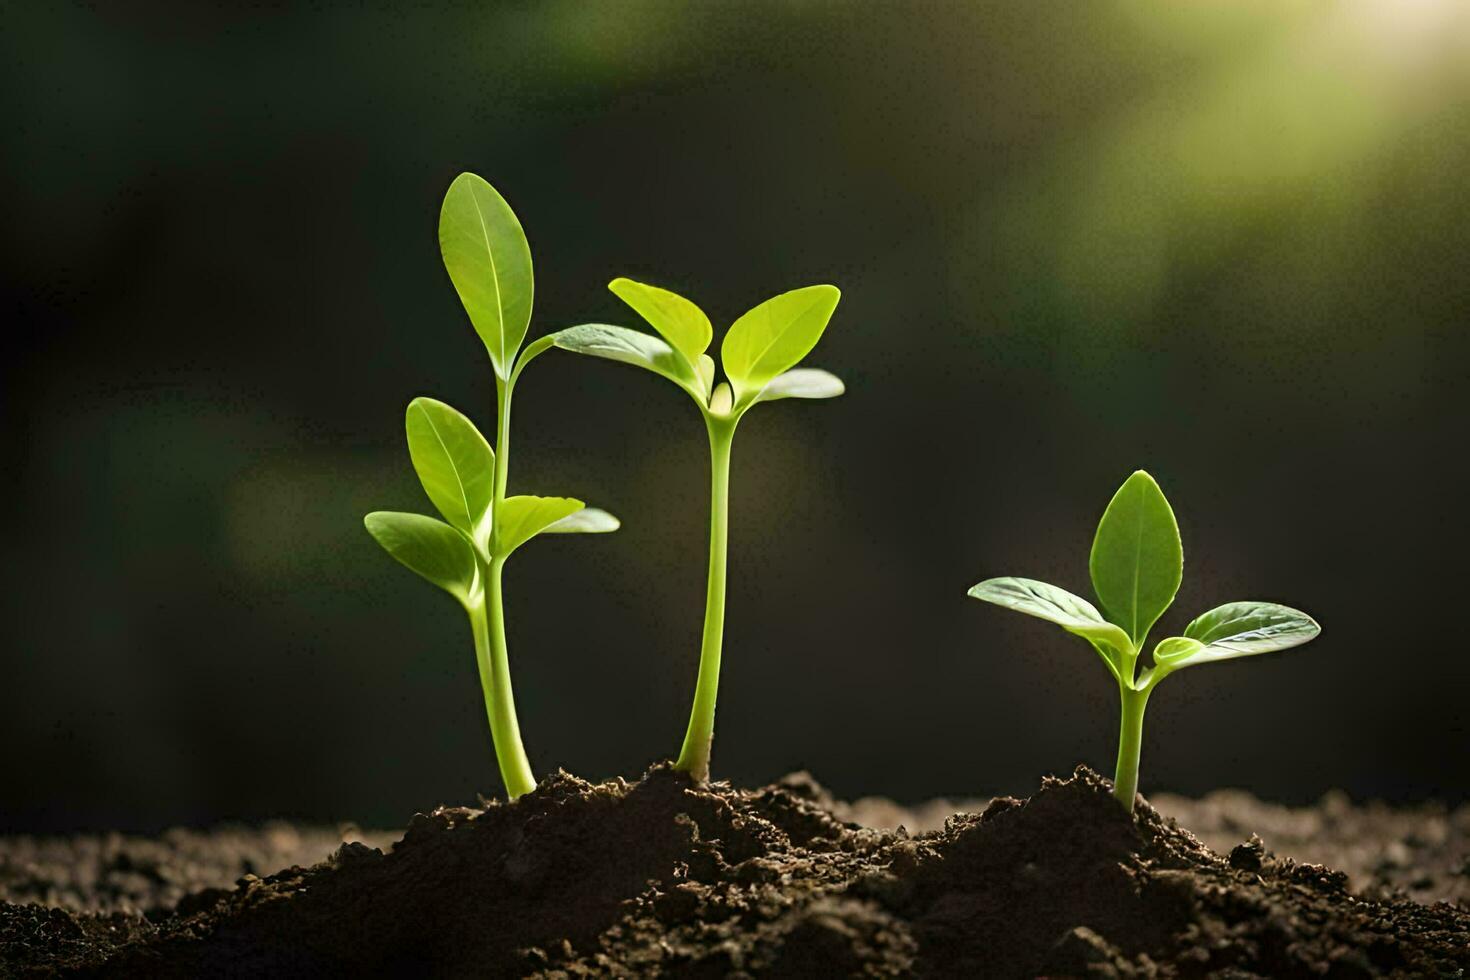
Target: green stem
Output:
[(694, 756), (503, 391), (489, 620), (1130, 745)]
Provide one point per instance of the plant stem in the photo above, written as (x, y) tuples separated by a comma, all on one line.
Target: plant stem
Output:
[(489, 620), (1130, 744), (694, 756), (503, 391)]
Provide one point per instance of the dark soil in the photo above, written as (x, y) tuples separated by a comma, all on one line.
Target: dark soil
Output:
[(663, 878), (1422, 851)]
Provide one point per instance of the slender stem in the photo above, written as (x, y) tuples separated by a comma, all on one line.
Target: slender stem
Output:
[(500, 706), (503, 391), (489, 620), (1130, 744), (694, 756)]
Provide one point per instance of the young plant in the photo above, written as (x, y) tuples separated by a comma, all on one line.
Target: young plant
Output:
[(489, 263), (759, 356), (1136, 564)]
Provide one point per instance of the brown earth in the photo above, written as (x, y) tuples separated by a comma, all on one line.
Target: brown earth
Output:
[(665, 878)]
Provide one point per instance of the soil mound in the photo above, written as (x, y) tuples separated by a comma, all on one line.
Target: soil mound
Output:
[(665, 878)]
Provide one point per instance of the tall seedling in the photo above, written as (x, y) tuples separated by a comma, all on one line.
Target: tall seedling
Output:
[(759, 356), (489, 263), (1137, 563)]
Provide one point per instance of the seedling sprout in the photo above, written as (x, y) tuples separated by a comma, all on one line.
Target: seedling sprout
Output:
[(1136, 565), (489, 263), (759, 356)]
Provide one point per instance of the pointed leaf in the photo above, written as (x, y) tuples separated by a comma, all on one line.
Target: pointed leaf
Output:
[(431, 548), (489, 262), (1239, 629), (802, 383), (519, 519), (454, 462), (588, 520), (1071, 612), (676, 319), (1137, 560), (631, 347), (775, 335)]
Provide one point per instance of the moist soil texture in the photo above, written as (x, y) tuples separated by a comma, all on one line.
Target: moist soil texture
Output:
[(663, 877)]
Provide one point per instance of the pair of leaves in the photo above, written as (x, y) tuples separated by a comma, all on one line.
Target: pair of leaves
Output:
[(1136, 566), (759, 351), (456, 466)]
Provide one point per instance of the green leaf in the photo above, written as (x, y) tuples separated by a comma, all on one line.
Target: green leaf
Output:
[(802, 383), (588, 520), (631, 347), (1240, 629), (489, 263), (1137, 560), (1173, 649), (1071, 612), (706, 368), (677, 320), (775, 335), (431, 548), (520, 519), (455, 464)]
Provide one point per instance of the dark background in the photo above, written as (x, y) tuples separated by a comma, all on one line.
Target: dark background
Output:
[(1225, 242)]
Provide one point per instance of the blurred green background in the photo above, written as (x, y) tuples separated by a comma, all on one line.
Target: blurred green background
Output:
[(1225, 241)]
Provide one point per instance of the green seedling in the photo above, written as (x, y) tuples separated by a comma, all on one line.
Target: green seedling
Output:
[(489, 263), (759, 356), (1136, 564)]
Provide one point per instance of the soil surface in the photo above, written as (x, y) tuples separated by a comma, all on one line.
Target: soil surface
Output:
[(1423, 851), (664, 878)]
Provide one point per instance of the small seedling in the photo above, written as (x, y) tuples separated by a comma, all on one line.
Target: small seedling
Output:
[(1136, 564), (759, 356), (489, 262)]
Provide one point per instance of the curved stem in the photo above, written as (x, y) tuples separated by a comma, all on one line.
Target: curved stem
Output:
[(694, 756), (1130, 746)]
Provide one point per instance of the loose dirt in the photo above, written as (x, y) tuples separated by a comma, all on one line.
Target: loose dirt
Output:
[(664, 878)]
